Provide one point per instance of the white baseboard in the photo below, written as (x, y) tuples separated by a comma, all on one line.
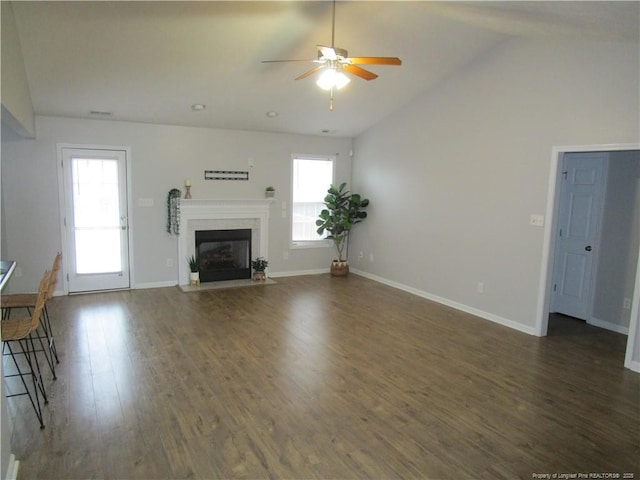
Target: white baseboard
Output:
[(449, 303), (608, 325), (634, 366), (12, 468)]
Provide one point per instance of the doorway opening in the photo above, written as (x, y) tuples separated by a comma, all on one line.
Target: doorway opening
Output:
[(551, 247), (579, 225)]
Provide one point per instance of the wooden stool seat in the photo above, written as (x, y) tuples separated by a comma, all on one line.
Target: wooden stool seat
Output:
[(18, 300), (15, 328)]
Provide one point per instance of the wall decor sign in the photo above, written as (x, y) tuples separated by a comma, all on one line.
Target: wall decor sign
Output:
[(225, 175)]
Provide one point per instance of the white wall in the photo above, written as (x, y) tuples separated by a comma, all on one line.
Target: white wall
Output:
[(454, 176), (619, 242), (17, 111), (162, 157)]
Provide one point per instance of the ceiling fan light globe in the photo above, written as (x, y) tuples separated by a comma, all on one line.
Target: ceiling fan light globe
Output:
[(331, 78), (340, 80), (326, 79)]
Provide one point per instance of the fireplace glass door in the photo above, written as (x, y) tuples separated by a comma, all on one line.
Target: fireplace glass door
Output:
[(224, 254)]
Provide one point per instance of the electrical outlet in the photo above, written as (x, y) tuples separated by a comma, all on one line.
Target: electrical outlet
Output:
[(169, 262), (626, 304), (145, 202), (18, 272), (361, 255), (371, 257), (480, 287)]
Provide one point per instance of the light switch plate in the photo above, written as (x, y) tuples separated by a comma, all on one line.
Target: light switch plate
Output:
[(536, 220)]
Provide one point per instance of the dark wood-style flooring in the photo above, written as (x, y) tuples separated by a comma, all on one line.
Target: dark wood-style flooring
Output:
[(320, 377)]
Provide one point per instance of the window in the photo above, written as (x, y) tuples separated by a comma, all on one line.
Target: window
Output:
[(312, 177)]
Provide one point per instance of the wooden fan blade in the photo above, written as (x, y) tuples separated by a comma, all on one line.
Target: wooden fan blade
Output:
[(310, 72), (374, 61), (360, 72)]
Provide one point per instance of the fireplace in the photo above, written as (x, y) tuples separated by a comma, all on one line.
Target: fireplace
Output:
[(223, 254), (202, 214)]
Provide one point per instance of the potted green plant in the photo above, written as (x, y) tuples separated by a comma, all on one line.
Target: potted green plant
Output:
[(344, 210), (269, 192), (194, 270), (259, 265)]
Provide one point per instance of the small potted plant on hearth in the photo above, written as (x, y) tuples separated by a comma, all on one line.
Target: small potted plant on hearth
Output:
[(194, 270), (259, 266), (269, 192)]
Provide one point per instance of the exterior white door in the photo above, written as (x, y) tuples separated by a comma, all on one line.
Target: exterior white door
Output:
[(96, 219), (581, 200)]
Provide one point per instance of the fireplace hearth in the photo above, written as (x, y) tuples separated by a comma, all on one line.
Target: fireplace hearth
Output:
[(223, 254)]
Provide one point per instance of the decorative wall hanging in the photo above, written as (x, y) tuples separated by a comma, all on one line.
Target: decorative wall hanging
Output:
[(225, 175), (173, 211)]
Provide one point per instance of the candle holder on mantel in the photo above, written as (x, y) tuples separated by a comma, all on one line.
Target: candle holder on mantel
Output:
[(187, 185)]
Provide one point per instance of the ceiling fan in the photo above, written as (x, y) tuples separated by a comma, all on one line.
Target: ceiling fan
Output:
[(334, 61)]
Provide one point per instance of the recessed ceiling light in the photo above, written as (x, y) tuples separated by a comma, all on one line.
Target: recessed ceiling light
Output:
[(271, 114), (100, 113), (198, 107)]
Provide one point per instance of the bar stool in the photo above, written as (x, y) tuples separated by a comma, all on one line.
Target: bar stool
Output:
[(21, 331), (28, 301)]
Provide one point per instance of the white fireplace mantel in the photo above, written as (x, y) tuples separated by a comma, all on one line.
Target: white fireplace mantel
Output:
[(202, 214)]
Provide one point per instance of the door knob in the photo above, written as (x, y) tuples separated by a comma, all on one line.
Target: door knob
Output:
[(588, 248)]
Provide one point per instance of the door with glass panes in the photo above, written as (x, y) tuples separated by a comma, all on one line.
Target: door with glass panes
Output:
[(96, 220)]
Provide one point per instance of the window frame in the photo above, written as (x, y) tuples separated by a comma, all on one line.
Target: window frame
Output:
[(302, 244)]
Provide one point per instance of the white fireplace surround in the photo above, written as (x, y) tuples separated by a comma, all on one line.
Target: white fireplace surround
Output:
[(221, 215)]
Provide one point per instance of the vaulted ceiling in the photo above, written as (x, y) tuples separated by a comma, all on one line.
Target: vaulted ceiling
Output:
[(151, 61)]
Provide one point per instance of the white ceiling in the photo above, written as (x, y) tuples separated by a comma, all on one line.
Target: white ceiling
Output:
[(150, 61)]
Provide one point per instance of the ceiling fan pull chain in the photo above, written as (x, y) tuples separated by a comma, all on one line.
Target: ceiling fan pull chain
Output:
[(331, 100)]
